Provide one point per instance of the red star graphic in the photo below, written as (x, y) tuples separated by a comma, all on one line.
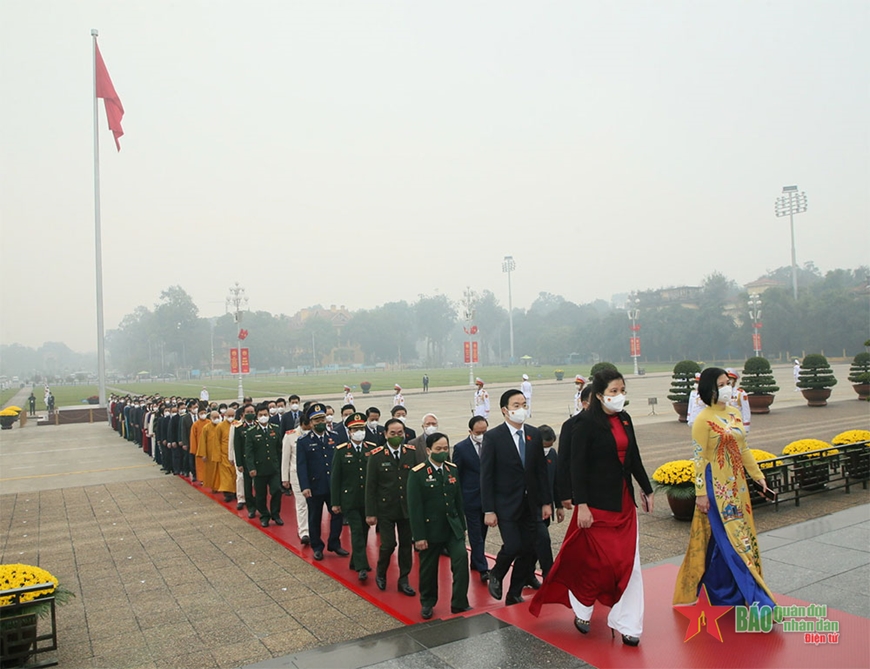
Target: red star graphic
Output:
[(703, 613)]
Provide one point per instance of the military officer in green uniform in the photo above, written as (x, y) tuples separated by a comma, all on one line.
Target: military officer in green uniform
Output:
[(250, 420), (263, 460), (438, 523), (348, 489), (387, 473)]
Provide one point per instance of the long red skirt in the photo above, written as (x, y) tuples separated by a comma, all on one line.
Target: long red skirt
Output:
[(594, 563)]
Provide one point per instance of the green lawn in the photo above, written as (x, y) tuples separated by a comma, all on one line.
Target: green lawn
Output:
[(8, 394)]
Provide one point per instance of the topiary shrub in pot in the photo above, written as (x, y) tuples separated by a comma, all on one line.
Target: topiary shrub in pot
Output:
[(682, 381), (859, 375), (816, 380), (759, 385)]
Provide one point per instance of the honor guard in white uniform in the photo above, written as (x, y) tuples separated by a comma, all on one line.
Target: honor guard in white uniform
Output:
[(481, 399), (348, 396), (579, 382), (739, 399), (398, 398), (797, 373), (695, 403), (526, 390)]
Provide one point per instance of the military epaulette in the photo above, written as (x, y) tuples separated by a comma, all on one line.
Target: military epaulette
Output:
[(449, 464), (418, 467), (370, 443), (344, 445), (377, 450), (411, 447)]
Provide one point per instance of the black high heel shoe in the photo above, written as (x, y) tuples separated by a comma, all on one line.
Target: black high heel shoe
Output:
[(581, 625), (627, 639)]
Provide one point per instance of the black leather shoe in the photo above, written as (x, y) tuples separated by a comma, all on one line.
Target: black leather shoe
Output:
[(426, 612), (382, 582), (406, 589), (264, 522), (513, 599), (318, 555), (494, 586), (484, 576), (533, 583), (629, 640), (305, 540), (339, 551), (582, 625), (278, 520), (363, 575), (453, 609), (252, 514), (240, 506)]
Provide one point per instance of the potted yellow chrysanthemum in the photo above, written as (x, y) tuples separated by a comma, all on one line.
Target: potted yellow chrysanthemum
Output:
[(17, 624), (812, 474), (676, 480), (857, 460), (8, 417)]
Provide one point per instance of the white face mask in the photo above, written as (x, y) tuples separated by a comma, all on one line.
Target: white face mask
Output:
[(272, 411), (477, 438), (358, 435), (518, 415), (222, 412), (165, 413), (430, 429), (182, 412), (614, 403), (725, 393), (294, 407), (402, 418), (262, 420), (281, 410), (330, 419), (202, 416), (373, 425), (216, 421)]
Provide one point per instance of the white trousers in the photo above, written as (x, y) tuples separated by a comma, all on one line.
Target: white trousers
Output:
[(301, 504), (240, 486), (626, 616)]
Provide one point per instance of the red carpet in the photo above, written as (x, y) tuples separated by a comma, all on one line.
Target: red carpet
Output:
[(664, 628), (662, 644)]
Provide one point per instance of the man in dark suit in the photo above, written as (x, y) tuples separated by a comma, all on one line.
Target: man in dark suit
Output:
[(513, 488), (341, 435), (399, 411), (466, 457), (375, 432), (563, 470), (430, 426)]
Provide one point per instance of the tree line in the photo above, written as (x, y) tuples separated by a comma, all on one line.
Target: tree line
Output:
[(831, 314)]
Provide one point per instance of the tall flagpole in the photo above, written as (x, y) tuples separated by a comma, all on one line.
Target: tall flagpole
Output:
[(98, 255)]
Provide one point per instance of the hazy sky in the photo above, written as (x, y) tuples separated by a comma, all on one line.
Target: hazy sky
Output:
[(363, 152)]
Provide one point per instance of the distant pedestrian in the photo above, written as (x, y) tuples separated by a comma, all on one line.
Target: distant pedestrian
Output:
[(481, 399), (398, 398), (526, 388), (203, 395), (797, 373), (425, 383), (50, 402), (31, 402)]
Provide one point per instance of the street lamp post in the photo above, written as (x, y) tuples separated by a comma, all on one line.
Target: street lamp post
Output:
[(788, 204), (633, 311), (469, 301), (237, 302), (755, 315), (508, 265)]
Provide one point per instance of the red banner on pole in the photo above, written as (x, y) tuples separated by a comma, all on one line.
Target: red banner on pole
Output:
[(467, 348), (474, 351), (234, 361), (246, 367), (756, 341), (635, 347)]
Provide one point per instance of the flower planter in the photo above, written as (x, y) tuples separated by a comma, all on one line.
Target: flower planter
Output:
[(816, 397), (858, 465), (682, 409), (682, 509), (559, 375), (760, 403), (6, 422), (366, 387), (863, 390)]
